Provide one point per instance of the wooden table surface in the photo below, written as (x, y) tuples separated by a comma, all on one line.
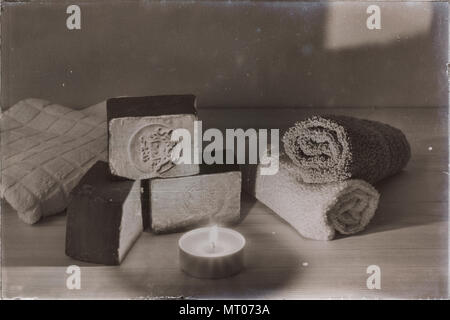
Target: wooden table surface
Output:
[(407, 239)]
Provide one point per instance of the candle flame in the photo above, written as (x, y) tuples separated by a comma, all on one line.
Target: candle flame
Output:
[(213, 236)]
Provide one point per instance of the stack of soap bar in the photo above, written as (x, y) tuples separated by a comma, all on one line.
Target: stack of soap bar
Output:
[(104, 217), (213, 196), (139, 135)]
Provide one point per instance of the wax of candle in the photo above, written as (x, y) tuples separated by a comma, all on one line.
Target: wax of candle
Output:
[(211, 252), (201, 243)]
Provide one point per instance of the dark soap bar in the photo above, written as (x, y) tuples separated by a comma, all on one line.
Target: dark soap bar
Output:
[(104, 217), (151, 106), (140, 135), (223, 167)]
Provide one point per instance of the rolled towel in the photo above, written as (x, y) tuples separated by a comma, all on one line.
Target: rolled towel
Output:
[(336, 148), (316, 211)]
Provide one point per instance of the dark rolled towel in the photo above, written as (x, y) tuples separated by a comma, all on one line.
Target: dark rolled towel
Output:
[(335, 148)]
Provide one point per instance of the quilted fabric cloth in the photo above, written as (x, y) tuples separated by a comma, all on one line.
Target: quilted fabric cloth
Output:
[(45, 150)]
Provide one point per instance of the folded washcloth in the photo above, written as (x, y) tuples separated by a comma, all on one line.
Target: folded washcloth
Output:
[(45, 150), (316, 211), (336, 148)]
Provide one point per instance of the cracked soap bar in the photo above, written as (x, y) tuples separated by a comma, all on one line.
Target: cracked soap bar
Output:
[(139, 135), (104, 217), (186, 202)]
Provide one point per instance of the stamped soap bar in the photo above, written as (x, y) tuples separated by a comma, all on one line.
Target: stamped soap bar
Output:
[(186, 202), (139, 135), (104, 217)]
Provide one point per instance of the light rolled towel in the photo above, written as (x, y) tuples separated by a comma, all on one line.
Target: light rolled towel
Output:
[(316, 211), (334, 148)]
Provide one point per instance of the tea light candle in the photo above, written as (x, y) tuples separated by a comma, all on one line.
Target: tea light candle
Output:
[(211, 252)]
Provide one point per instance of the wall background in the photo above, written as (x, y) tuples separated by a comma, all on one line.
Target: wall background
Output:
[(230, 54)]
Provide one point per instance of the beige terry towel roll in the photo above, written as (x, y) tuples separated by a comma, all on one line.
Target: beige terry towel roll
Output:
[(334, 148), (316, 211)]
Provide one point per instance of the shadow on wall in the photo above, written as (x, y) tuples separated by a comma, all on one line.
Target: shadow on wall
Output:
[(229, 54)]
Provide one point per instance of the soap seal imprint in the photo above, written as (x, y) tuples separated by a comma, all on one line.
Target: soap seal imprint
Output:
[(150, 148)]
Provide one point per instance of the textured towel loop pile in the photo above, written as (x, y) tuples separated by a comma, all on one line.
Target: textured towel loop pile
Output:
[(316, 211), (336, 148), (323, 184)]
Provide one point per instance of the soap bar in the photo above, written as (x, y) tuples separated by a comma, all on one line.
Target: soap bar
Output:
[(104, 217), (186, 202), (139, 135)]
